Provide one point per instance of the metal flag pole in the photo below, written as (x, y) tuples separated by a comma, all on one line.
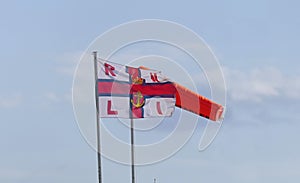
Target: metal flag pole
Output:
[(97, 118), (132, 151)]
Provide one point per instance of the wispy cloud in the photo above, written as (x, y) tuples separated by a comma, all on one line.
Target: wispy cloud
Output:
[(11, 174), (51, 96), (66, 66), (68, 62), (260, 83), (54, 97), (11, 101)]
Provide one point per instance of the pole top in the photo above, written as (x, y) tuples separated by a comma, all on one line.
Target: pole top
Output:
[(95, 54)]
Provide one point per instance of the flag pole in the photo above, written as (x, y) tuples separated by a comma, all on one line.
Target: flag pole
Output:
[(132, 151), (97, 118)]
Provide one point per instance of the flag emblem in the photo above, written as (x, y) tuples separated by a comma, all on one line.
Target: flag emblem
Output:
[(138, 100)]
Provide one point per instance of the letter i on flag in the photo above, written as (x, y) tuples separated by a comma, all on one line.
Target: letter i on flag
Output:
[(128, 92)]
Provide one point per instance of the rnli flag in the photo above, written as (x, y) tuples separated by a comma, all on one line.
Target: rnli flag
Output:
[(128, 92)]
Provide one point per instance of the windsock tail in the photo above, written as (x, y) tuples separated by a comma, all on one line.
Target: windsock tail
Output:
[(195, 103)]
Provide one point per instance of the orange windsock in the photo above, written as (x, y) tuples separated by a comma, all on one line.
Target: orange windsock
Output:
[(195, 103)]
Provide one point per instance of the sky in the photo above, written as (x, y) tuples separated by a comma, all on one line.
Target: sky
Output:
[(256, 45)]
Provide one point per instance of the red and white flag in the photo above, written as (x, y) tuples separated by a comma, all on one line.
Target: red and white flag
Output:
[(129, 92)]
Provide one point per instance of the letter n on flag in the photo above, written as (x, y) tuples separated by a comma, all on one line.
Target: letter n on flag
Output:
[(128, 92)]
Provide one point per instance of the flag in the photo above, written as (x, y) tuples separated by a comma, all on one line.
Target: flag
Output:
[(128, 92)]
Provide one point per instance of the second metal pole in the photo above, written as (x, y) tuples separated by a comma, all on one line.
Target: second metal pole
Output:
[(132, 151)]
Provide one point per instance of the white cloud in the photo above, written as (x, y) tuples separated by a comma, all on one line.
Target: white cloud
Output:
[(66, 65), (258, 84), (11, 101), (52, 97), (11, 174), (68, 62)]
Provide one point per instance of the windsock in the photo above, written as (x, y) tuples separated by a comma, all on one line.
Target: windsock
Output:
[(195, 103)]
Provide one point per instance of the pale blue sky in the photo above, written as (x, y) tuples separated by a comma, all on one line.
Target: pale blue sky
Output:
[(256, 43)]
